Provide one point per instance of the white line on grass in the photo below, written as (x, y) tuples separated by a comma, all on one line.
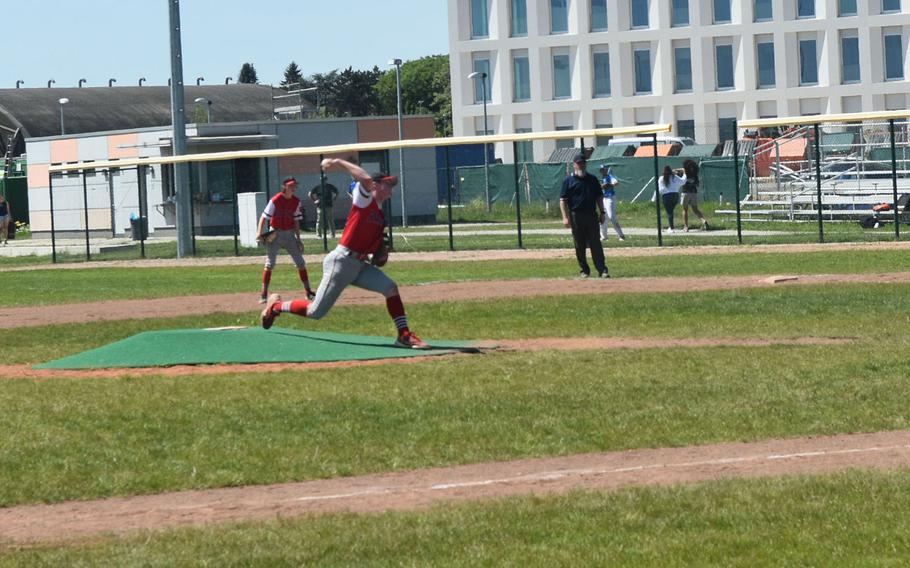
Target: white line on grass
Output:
[(562, 474)]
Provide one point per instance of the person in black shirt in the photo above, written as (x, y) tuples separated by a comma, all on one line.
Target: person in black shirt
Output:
[(325, 202), (582, 210), (4, 219)]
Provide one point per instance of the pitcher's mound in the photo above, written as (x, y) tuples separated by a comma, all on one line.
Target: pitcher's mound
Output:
[(246, 345)]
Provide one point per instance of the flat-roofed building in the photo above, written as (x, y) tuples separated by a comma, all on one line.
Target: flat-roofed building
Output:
[(696, 64)]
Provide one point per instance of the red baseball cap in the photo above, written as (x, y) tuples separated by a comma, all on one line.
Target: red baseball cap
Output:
[(385, 178)]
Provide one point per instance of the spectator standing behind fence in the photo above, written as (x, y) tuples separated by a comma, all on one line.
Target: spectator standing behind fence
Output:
[(325, 202), (4, 219), (669, 184), (581, 204), (690, 195), (608, 185)]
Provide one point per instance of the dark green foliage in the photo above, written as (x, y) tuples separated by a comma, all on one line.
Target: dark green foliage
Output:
[(248, 74)]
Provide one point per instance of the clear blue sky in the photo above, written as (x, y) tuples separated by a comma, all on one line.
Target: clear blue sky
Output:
[(68, 40)]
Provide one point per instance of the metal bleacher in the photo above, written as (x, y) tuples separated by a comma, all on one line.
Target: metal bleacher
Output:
[(855, 175)]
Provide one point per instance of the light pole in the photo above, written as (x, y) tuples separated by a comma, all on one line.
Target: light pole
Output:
[(404, 214), (486, 166), (208, 108), (62, 102)]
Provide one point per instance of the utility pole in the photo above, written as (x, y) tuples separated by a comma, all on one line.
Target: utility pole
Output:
[(178, 121)]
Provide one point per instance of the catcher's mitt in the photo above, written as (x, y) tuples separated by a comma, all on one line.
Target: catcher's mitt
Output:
[(268, 237), (381, 256)]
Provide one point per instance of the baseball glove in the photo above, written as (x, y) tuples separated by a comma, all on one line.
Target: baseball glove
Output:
[(381, 256), (268, 237)]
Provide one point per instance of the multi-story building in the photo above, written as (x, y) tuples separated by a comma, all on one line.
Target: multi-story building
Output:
[(696, 64)]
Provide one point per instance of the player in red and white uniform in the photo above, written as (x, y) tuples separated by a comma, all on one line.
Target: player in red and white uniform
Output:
[(350, 263), (283, 215)]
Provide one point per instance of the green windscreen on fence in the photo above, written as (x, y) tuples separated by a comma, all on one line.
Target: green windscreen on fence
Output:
[(245, 345), (542, 182)]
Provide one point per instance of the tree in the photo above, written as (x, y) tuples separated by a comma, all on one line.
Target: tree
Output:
[(425, 89), (292, 76), (355, 92), (248, 74)]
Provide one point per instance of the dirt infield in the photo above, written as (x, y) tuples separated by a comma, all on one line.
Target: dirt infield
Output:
[(21, 526), (467, 255), (447, 292)]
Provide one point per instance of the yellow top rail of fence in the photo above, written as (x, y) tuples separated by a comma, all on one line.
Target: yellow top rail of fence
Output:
[(824, 119), (364, 147)]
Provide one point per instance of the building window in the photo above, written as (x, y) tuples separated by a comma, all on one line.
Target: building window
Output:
[(723, 60), (849, 55), (763, 11), (680, 15), (721, 11), (808, 62), (846, 7), (559, 16), (521, 75), (639, 14), (682, 65), (524, 149), (564, 142), (598, 15), (519, 18), (602, 140), (805, 8), (894, 57), (891, 6), (479, 19), (562, 77), (765, 55), (726, 129), (601, 74), (685, 128), (642, 71), (481, 86)]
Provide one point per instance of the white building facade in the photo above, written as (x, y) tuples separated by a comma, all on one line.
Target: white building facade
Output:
[(696, 64)]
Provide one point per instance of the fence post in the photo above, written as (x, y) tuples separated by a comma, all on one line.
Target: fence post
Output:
[(143, 213), (739, 216), (657, 200), (449, 202), (321, 213), (88, 250), (235, 208), (198, 165), (818, 181), (517, 191), (50, 193), (897, 220)]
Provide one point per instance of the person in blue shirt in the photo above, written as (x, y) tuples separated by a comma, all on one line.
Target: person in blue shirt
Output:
[(608, 184), (582, 208)]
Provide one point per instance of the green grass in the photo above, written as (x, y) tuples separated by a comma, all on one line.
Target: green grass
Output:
[(84, 285), (74, 439), (849, 519), (880, 311)]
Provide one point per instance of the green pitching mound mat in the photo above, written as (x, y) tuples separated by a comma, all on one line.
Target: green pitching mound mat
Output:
[(245, 345)]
